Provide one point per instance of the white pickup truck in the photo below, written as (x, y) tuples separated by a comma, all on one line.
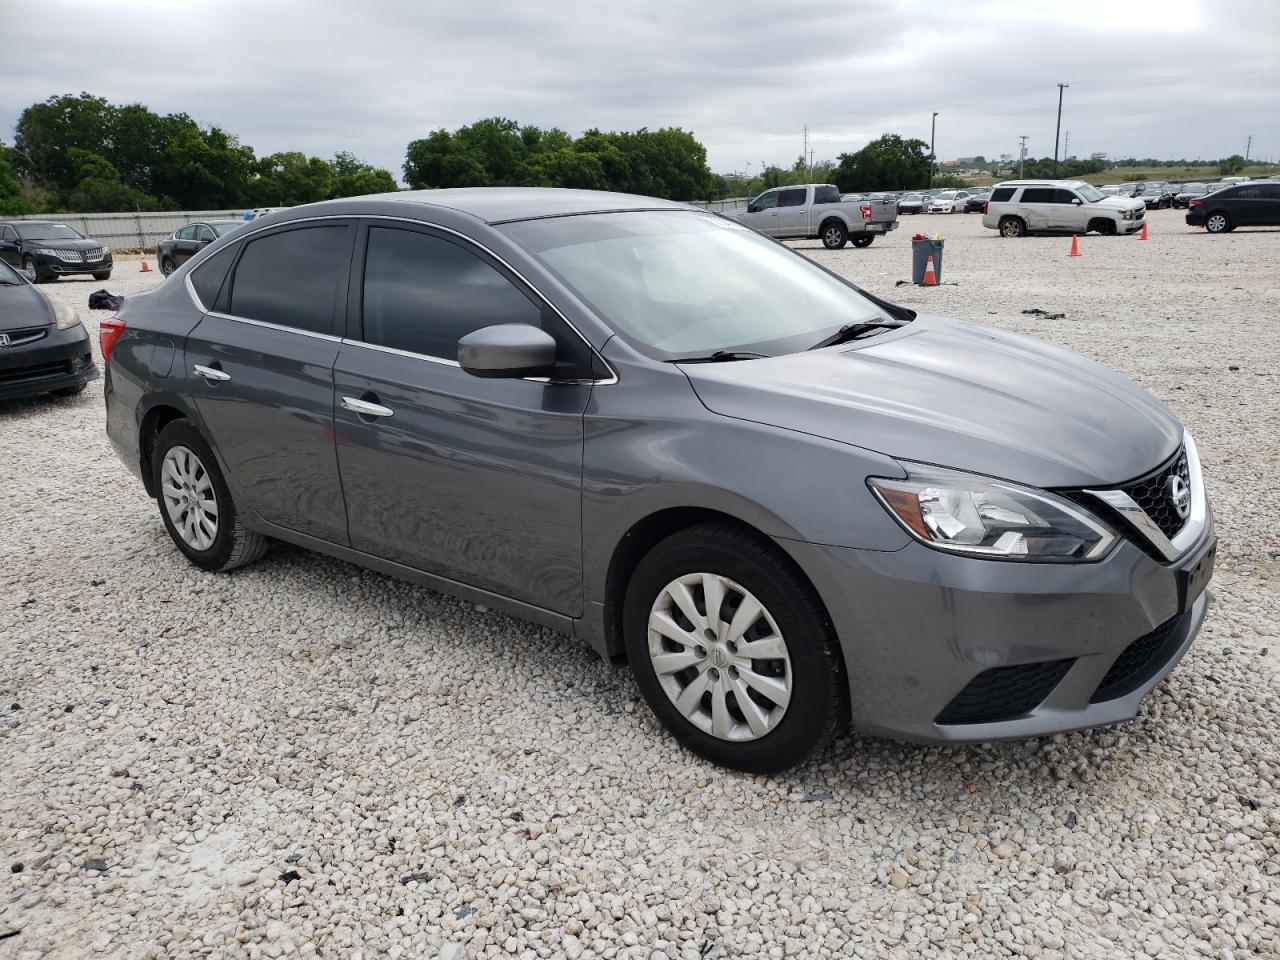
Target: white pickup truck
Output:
[(815, 210)]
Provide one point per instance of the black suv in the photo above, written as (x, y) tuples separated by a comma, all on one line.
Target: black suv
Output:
[(1241, 205), (45, 250)]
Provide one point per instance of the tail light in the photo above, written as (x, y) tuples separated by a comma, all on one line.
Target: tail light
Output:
[(866, 211), (1194, 203), (986, 206), (109, 331)]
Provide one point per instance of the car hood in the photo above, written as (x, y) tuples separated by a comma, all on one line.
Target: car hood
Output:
[(957, 395), (77, 244), (23, 306), (1120, 203)]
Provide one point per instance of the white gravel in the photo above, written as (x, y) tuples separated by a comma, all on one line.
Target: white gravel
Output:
[(304, 758)]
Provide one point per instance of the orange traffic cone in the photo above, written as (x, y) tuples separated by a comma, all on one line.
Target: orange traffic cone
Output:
[(146, 268), (930, 278), (1143, 235), (1075, 247)]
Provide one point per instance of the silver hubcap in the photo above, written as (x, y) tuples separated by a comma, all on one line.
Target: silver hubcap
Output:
[(719, 656), (833, 236), (1010, 228), (1217, 222), (188, 498)]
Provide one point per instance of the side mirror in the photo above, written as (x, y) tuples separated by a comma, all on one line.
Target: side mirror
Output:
[(752, 208), (507, 350), (1077, 201)]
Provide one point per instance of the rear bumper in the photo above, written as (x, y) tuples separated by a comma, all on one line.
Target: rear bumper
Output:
[(925, 636), (59, 360), (1195, 217)]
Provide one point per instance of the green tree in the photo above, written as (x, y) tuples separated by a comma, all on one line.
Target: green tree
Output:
[(12, 201), (99, 187), (47, 132), (354, 178), (290, 178), (1230, 166), (887, 163)]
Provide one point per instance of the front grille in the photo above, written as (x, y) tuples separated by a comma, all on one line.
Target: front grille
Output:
[(66, 255), (1151, 493), (93, 256), (36, 371), (1005, 693), (28, 335), (1139, 661)]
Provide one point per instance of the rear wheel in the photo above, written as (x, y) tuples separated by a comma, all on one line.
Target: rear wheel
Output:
[(733, 650), (195, 504), (1217, 222), (1012, 227), (167, 266), (863, 239), (834, 235), (79, 388)]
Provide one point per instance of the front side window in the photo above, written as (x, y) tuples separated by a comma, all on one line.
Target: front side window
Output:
[(186, 233), (1063, 196), (422, 293), (686, 284), (291, 278), (766, 201)]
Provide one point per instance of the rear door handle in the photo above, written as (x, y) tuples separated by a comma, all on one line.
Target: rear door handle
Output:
[(211, 374), (365, 408)]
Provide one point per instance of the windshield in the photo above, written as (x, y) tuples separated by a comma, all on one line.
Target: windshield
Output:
[(47, 231), (912, 196), (226, 226), (1195, 188), (686, 284), (7, 276), (1090, 194)]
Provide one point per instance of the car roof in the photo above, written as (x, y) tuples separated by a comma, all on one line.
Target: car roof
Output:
[(503, 204), (1042, 183), (29, 223)]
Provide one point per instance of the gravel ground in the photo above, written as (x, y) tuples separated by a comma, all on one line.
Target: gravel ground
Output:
[(307, 758)]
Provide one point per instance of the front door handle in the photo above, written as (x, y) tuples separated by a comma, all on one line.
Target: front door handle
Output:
[(365, 408), (211, 374)]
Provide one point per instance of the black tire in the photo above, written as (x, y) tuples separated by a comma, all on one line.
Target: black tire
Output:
[(167, 266), (1103, 226), (105, 275), (1013, 227), (863, 239), (29, 266), (819, 703), (234, 545), (75, 391), (1217, 222), (834, 234)]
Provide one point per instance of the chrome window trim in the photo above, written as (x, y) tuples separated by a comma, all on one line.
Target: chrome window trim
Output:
[(274, 326), (604, 381), (1189, 535)]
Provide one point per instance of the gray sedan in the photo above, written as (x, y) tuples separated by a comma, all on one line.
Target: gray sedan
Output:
[(786, 503)]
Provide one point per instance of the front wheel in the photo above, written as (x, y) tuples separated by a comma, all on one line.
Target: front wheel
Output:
[(33, 274), (195, 504), (834, 235), (864, 240), (1217, 223), (78, 389), (733, 650), (1012, 227)]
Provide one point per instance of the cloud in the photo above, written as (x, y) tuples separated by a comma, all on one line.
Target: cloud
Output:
[(1175, 78)]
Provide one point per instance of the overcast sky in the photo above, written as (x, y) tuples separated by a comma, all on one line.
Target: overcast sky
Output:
[(1173, 78)]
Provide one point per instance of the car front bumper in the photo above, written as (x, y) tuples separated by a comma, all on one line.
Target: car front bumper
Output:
[(943, 648), (58, 360), (48, 263)]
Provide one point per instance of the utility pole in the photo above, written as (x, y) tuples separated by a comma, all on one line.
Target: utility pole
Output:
[(1022, 154), (933, 157), (805, 154), (1058, 129), (1066, 145), (1248, 145)]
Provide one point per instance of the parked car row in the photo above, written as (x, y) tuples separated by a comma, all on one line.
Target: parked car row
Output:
[(44, 348), (45, 250)]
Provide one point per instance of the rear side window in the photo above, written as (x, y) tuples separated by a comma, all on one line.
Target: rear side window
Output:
[(791, 198), (422, 293), (1037, 195), (207, 278), (826, 194), (1270, 191), (291, 278), (1247, 193), (1002, 194)]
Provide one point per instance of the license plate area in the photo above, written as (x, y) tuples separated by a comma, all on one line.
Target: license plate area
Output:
[(1193, 578)]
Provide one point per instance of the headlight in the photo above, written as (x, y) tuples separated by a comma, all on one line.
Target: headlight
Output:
[(988, 518), (63, 315)]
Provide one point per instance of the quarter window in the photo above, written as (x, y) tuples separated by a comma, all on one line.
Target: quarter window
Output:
[(791, 198), (1002, 195), (422, 293), (826, 194), (204, 234), (208, 276), (291, 278)]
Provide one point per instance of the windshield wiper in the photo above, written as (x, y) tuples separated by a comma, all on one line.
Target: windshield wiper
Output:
[(851, 331), (722, 356)]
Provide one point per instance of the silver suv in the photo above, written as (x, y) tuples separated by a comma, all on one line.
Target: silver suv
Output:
[(1019, 207)]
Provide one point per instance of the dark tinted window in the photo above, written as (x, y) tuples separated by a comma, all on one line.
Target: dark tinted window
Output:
[(1270, 191), (208, 276), (1001, 194), (1063, 196), (291, 278), (1247, 193), (826, 194), (422, 293), (791, 198), (1037, 195)]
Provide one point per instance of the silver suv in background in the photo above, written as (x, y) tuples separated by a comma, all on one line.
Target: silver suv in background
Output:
[(1019, 207), (816, 210)]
